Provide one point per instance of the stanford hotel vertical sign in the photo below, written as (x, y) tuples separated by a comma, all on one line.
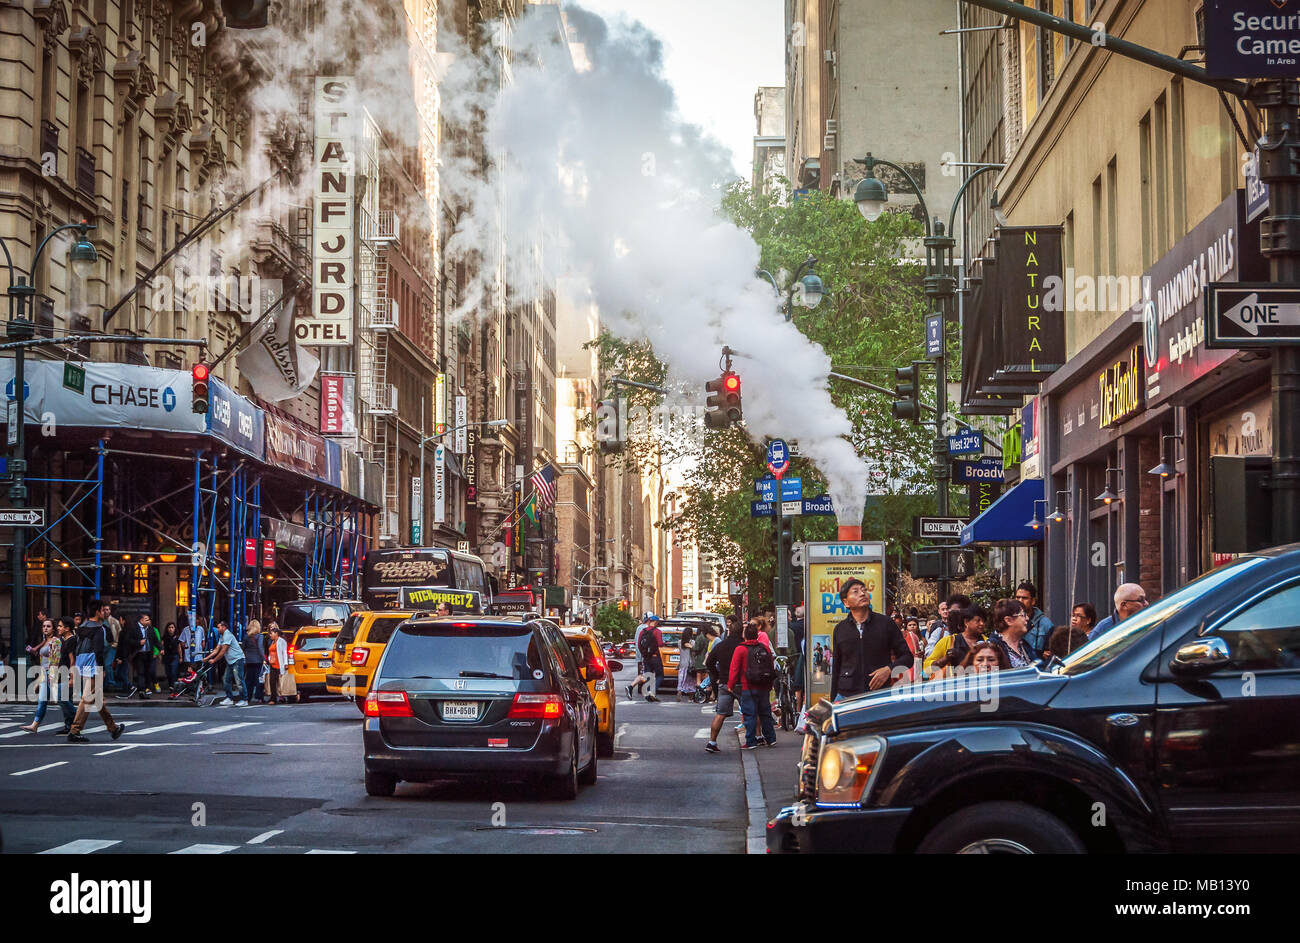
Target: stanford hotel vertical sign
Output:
[(333, 249)]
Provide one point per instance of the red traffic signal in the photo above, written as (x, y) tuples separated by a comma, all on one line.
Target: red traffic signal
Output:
[(731, 383), (724, 407), (199, 390)]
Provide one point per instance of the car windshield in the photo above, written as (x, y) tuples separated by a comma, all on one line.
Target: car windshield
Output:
[(1101, 650), (671, 638), (453, 650)]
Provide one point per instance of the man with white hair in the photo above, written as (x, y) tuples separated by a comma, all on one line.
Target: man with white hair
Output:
[(1130, 598)]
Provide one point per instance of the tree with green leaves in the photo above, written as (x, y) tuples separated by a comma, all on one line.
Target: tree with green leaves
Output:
[(871, 321), (614, 624)]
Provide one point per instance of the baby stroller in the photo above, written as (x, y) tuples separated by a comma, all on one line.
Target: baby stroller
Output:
[(703, 692), (192, 684)]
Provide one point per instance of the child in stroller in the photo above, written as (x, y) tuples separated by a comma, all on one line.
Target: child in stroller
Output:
[(192, 683)]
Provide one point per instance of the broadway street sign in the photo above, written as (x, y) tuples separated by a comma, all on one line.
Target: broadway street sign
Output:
[(22, 517), (1251, 314), (965, 473)]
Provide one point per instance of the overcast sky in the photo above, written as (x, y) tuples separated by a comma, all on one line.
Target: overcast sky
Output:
[(716, 55)]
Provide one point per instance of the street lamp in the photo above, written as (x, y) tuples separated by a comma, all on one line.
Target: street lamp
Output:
[(1107, 496), (1166, 468), (20, 328), (871, 195), (811, 289)]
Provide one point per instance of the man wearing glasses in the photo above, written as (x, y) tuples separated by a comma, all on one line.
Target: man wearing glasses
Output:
[(1130, 598), (1040, 627)]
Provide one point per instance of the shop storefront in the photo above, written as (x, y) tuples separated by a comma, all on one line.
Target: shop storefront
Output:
[(162, 510), (1132, 419)]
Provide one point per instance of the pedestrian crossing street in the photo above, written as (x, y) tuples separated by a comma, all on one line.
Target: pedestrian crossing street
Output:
[(90, 846)]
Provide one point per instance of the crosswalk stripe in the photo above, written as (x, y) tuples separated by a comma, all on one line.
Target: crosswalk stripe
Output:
[(328, 851), (82, 846), (702, 733), (264, 836), (14, 724), (162, 727), (39, 768), (129, 746), (16, 733), (225, 727), (203, 850)]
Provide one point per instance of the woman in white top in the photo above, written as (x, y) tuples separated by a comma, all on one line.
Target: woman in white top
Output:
[(48, 650)]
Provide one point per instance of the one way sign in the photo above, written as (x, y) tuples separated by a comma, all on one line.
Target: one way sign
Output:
[(22, 517), (1251, 314)]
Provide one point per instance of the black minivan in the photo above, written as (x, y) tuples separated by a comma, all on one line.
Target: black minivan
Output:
[(455, 697)]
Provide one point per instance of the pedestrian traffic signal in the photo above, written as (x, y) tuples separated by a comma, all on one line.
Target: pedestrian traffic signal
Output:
[(199, 394), (907, 387), (724, 404)]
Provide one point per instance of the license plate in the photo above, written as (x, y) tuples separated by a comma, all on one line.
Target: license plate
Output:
[(674, 659), (323, 663), (460, 710)]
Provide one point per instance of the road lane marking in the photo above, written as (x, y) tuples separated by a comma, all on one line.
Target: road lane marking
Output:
[(162, 727), (82, 846), (226, 727), (326, 851), (129, 746), (264, 836), (16, 733), (39, 768), (14, 724), (622, 729), (203, 850), (702, 733)]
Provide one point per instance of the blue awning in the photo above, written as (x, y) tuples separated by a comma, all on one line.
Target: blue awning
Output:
[(1007, 519)]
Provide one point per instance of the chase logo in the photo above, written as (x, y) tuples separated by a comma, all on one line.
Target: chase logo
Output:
[(169, 399)]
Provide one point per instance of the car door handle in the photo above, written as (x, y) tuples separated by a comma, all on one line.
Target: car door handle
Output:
[(1122, 720)]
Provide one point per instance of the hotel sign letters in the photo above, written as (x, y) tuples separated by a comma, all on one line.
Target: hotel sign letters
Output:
[(333, 233)]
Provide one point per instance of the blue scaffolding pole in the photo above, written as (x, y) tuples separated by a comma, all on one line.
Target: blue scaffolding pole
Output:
[(195, 559)]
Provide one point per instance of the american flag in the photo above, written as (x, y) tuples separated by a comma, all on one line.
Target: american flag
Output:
[(543, 482)]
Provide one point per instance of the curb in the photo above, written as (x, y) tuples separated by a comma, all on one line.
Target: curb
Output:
[(756, 833)]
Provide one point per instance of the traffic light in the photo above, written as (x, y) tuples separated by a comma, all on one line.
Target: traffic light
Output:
[(199, 395), (622, 605), (907, 387), (724, 404)]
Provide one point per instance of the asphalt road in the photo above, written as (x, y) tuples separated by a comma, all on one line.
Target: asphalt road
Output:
[(288, 779)]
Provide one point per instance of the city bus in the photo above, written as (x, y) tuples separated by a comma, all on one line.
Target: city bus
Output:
[(384, 571)]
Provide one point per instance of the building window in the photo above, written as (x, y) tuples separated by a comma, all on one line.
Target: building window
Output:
[(140, 579), (1112, 217), (182, 588)]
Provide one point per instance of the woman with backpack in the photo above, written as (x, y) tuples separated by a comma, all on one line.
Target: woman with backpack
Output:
[(966, 628), (650, 665), (752, 673)]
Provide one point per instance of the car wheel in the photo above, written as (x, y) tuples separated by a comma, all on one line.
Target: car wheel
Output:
[(565, 786), (380, 784), (1000, 828), (605, 744), (588, 776), (303, 698)]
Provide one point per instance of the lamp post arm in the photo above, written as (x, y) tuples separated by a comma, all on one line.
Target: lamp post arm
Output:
[(84, 227), (872, 161), (804, 267), (961, 192), (764, 273)]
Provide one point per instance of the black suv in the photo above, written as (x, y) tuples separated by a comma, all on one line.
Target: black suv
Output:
[(455, 697), (1178, 730)]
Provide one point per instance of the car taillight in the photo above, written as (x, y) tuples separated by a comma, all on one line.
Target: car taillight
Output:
[(536, 706), (359, 655), (388, 704), (598, 667)]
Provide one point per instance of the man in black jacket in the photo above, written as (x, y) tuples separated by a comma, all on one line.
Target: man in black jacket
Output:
[(91, 639), (867, 645), (718, 664)]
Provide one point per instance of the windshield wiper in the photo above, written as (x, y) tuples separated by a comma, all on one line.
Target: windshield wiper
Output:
[(485, 674)]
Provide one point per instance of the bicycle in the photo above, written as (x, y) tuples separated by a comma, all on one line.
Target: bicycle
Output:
[(783, 688)]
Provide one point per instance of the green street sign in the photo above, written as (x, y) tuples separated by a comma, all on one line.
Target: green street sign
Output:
[(74, 378)]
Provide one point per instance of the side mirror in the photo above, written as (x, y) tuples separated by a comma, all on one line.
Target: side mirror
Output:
[(615, 666), (1201, 657)]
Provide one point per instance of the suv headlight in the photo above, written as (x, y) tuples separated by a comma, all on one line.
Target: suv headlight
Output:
[(846, 769)]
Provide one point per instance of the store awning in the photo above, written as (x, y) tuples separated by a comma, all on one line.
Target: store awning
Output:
[(1006, 522)]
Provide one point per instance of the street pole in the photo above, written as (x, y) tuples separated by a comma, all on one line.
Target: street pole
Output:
[(1279, 167), (20, 329)]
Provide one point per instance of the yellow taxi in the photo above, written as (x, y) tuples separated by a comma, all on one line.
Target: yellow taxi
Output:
[(670, 649), (599, 674), (356, 651), (310, 657)]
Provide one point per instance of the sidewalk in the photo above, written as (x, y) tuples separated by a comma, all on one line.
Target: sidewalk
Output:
[(770, 779)]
